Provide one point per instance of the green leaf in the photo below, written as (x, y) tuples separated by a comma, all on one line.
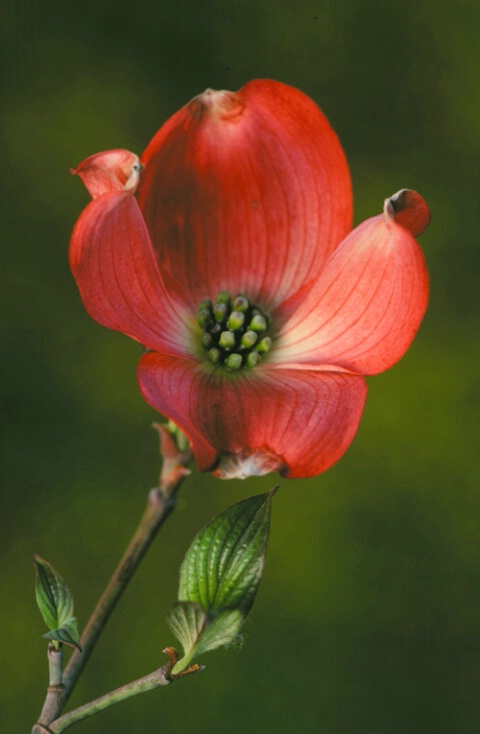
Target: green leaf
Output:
[(222, 629), (223, 566), (187, 620), (196, 629), (67, 633), (54, 598), (200, 632), (219, 578)]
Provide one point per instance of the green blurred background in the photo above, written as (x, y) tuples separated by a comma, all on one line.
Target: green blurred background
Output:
[(368, 617)]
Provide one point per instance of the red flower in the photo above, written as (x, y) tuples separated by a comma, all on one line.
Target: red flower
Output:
[(246, 200)]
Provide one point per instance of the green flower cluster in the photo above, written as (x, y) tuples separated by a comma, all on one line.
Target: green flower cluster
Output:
[(234, 331)]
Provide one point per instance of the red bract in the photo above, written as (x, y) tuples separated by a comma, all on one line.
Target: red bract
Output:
[(249, 193)]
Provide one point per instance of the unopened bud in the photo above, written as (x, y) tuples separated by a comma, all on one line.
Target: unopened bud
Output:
[(204, 317), (264, 345), (249, 339), (227, 339), (206, 303), (241, 303), (224, 297), (253, 359), (233, 361), (258, 323), (214, 355), (207, 341), (235, 320), (220, 311)]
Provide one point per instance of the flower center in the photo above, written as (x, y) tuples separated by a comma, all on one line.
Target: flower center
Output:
[(234, 331)]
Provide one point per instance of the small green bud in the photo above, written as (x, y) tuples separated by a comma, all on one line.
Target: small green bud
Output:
[(235, 320), (220, 311), (249, 339), (227, 339), (179, 437), (258, 323), (204, 317), (253, 359), (224, 297), (207, 341), (215, 329), (214, 355), (265, 344), (241, 303), (233, 361), (206, 303)]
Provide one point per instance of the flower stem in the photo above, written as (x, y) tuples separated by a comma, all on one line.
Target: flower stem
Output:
[(159, 506), (161, 501), (53, 700), (158, 678)]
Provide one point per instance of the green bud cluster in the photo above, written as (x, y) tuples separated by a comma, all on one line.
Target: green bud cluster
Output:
[(234, 331)]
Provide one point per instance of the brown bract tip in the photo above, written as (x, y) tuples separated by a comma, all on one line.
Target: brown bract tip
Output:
[(221, 104), (409, 209)]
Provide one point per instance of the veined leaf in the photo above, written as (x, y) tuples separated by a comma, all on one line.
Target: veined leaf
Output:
[(223, 566), (67, 633), (54, 598)]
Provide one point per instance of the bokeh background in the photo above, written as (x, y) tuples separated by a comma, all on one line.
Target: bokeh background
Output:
[(368, 617)]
